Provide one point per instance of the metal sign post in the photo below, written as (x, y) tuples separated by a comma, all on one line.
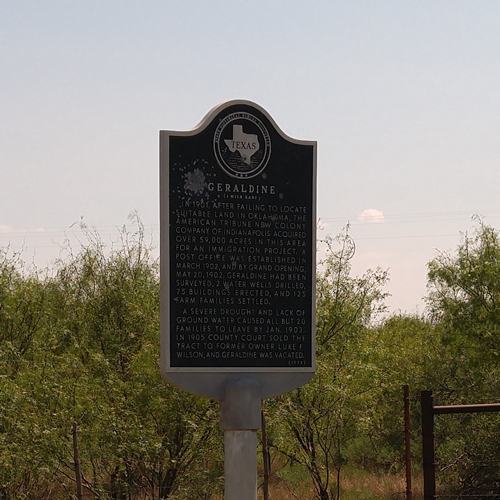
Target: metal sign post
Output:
[(238, 211)]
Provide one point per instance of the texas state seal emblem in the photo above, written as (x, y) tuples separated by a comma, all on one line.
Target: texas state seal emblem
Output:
[(242, 145)]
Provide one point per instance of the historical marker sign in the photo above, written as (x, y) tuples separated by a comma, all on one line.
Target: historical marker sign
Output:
[(237, 251)]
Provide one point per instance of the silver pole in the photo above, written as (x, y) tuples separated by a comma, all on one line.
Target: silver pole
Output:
[(240, 419), (240, 465)]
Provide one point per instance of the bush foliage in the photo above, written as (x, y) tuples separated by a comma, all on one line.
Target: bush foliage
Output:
[(84, 411)]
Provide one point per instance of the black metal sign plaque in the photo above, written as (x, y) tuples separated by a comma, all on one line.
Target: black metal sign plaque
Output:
[(237, 246)]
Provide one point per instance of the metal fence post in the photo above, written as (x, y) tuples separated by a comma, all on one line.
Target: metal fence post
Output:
[(406, 401), (427, 406)]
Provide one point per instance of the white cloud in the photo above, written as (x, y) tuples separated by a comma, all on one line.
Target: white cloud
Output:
[(371, 215), (321, 225)]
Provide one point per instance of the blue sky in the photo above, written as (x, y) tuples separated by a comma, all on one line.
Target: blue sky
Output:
[(402, 97)]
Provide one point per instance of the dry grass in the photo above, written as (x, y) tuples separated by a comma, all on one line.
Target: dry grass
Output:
[(381, 485), (354, 486)]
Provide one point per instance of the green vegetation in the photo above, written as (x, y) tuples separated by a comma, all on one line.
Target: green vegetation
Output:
[(84, 412)]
